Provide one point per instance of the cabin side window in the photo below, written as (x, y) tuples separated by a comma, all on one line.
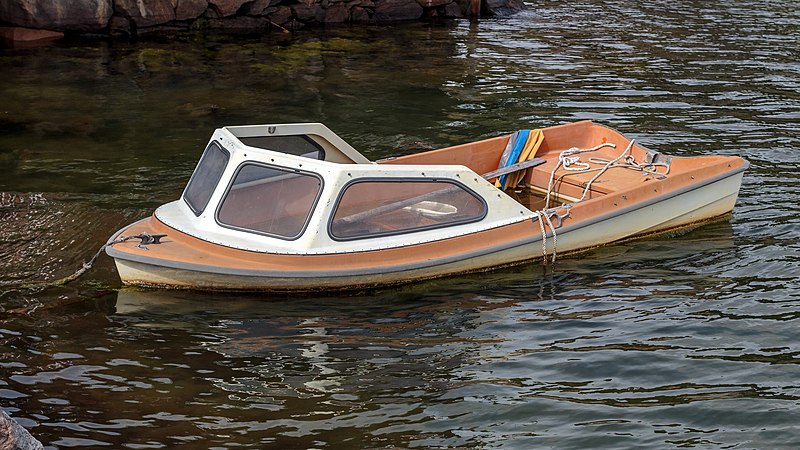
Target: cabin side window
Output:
[(300, 145), (205, 178), (269, 200), (375, 208)]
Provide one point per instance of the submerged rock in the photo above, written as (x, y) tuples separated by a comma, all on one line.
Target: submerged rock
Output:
[(190, 9), (145, 13), (226, 8), (388, 10)]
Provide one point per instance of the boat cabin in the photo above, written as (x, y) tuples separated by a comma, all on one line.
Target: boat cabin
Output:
[(301, 189)]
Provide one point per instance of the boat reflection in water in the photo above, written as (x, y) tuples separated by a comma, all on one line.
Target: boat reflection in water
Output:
[(291, 349), (302, 365)]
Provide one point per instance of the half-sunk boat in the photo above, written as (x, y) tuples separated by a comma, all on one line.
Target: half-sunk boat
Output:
[(293, 207)]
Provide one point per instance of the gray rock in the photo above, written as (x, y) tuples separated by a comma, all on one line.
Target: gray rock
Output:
[(190, 9), (256, 8), (59, 15), (359, 14), (119, 26), (295, 25), (225, 8), (433, 3), (14, 436), (141, 16), (281, 16), (337, 13), (390, 10), (453, 10), (308, 13), (240, 23), (145, 13)]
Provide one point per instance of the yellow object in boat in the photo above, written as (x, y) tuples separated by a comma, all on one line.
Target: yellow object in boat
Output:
[(535, 139)]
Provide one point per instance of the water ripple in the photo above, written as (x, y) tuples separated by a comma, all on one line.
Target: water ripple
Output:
[(674, 341)]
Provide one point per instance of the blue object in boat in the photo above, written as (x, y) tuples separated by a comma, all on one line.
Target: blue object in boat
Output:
[(520, 138)]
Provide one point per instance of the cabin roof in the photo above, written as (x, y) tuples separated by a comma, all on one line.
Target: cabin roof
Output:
[(335, 149)]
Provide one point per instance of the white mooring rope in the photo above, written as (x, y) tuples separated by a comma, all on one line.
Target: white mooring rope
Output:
[(567, 160), (604, 169), (543, 217), (570, 162)]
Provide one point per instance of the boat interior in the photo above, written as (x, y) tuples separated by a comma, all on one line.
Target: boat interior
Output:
[(568, 185)]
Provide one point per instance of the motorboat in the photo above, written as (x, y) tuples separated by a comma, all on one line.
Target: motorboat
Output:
[(293, 207)]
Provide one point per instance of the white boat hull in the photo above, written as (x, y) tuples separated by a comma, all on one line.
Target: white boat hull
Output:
[(679, 210)]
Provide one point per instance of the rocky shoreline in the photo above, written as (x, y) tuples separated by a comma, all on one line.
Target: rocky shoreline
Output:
[(14, 436), (139, 17)]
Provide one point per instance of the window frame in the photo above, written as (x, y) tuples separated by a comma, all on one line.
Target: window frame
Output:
[(288, 171), (227, 154), (343, 190)]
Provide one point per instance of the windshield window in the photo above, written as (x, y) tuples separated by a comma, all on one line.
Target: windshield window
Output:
[(270, 200), (299, 145), (205, 178), (382, 208)]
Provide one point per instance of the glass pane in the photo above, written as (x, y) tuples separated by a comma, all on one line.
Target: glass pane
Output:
[(270, 200), (379, 208), (293, 145), (205, 178)]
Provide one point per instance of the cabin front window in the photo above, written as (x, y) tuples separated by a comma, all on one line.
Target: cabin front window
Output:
[(375, 208), (299, 145), (205, 178), (269, 200)]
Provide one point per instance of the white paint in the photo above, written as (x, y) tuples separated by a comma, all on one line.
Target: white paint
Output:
[(502, 209)]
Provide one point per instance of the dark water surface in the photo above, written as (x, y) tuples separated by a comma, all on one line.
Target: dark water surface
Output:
[(690, 341)]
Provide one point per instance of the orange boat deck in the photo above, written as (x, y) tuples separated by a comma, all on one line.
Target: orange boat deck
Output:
[(484, 156)]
